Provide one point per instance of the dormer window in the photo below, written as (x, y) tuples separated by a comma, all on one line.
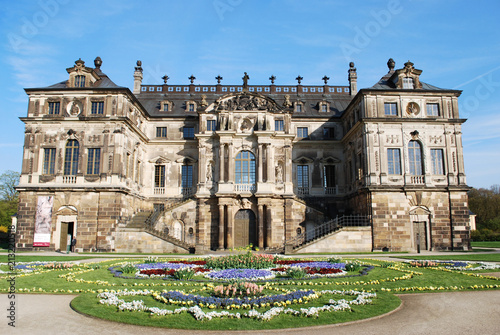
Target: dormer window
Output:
[(80, 81), (190, 106), (299, 107), (166, 106), (408, 83), (323, 107)]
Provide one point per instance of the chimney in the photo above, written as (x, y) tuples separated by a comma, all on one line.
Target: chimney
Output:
[(138, 78), (353, 79)]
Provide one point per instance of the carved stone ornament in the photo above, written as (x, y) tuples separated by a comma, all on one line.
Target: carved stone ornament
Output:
[(245, 204), (287, 102), (412, 108), (74, 108), (203, 102), (247, 125), (247, 101)]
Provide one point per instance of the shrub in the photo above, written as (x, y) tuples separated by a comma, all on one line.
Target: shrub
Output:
[(4, 229), (335, 260), (238, 289), (151, 259), (244, 261), (128, 268), (184, 273), (352, 267), (296, 272)]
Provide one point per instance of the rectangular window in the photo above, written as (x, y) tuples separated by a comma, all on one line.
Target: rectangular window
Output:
[(329, 176), (54, 108), (303, 176), (211, 125), (159, 175), (94, 161), (324, 108), (408, 83), (165, 107), (328, 133), (97, 107), (437, 161), (161, 132), (188, 133), (298, 108), (279, 125), (394, 161), (432, 109), (187, 176), (49, 160), (302, 132), (79, 81), (391, 108), (191, 107)]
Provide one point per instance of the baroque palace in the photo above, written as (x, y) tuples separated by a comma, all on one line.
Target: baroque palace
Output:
[(287, 168)]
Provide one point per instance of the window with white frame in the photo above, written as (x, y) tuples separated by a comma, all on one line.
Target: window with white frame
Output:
[(279, 125), (71, 157), (393, 161), (391, 108), (415, 158), (302, 132), (211, 125), (432, 109), (408, 83), (437, 160), (303, 176)]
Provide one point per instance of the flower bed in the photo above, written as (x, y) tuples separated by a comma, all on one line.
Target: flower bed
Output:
[(240, 274)]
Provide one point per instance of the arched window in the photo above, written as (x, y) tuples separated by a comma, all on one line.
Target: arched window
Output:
[(71, 157), (245, 168), (415, 158)]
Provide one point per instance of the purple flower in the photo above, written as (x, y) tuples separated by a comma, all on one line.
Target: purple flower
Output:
[(247, 274)]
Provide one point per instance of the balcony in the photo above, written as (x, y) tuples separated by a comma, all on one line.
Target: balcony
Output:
[(159, 190), (187, 191), (302, 191), (332, 190), (69, 179), (251, 188), (417, 180)]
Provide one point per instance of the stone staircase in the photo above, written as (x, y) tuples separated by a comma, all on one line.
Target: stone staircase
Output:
[(323, 231), (146, 221)]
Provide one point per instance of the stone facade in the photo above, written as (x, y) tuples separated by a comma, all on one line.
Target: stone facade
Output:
[(167, 168)]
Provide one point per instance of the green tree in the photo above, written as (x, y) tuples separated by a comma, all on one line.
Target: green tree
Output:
[(8, 197), (485, 203)]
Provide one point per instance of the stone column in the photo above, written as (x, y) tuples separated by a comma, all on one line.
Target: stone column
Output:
[(269, 226), (260, 168), (202, 165), (221, 162), (230, 229), (270, 167), (260, 229), (221, 227), (230, 163)]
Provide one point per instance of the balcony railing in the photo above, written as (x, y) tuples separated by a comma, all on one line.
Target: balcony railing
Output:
[(245, 188), (332, 190), (302, 191), (159, 190), (417, 180), (187, 191), (69, 179)]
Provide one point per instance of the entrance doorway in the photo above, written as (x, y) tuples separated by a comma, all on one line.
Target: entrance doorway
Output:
[(245, 227), (420, 235), (67, 234)]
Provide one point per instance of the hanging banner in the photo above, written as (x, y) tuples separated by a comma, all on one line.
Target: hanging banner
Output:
[(43, 221)]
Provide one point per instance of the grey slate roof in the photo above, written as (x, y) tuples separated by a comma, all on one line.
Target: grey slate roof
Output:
[(152, 103), (385, 84)]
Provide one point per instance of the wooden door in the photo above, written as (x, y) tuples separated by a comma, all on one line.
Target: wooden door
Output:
[(244, 228), (420, 234), (63, 241)]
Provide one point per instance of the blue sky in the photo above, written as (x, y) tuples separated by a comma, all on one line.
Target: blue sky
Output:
[(455, 43)]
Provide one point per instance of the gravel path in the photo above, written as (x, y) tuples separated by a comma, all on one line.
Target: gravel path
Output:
[(428, 313)]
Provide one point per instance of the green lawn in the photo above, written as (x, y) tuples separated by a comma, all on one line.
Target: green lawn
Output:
[(486, 244), (490, 257), (385, 279)]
